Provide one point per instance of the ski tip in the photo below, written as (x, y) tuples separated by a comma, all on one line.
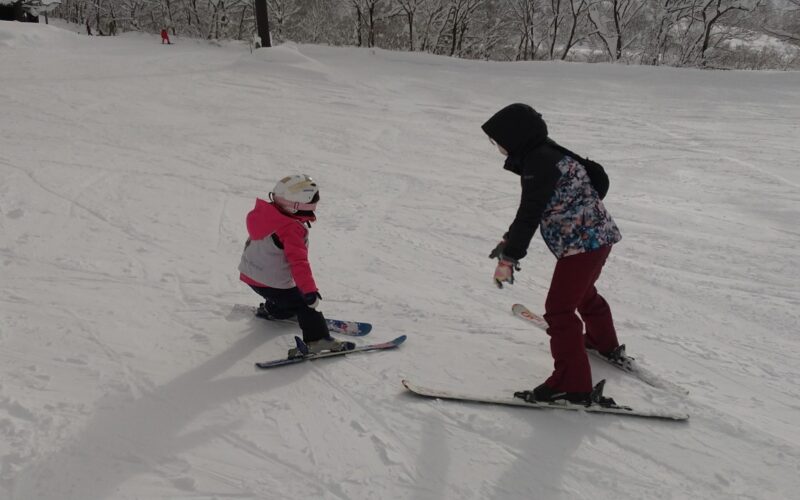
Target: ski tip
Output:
[(409, 385), (399, 340)]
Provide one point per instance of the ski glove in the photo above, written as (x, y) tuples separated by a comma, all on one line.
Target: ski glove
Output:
[(312, 299), (498, 250), (504, 272)]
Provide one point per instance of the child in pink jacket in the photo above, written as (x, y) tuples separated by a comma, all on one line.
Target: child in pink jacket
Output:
[(275, 260)]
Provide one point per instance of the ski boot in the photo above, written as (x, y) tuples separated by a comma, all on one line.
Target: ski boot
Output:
[(618, 357), (264, 312), (546, 394), (326, 344)]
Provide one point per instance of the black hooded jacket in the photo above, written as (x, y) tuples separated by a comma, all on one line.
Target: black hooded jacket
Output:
[(522, 132)]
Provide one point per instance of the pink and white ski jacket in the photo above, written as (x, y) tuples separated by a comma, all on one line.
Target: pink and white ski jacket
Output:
[(276, 253)]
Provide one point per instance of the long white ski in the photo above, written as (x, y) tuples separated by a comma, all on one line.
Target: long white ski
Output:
[(630, 366), (510, 400)]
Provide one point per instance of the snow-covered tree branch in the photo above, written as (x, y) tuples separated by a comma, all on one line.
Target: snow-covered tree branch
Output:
[(677, 32)]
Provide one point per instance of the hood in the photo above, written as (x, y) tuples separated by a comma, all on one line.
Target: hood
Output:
[(517, 128), (266, 218)]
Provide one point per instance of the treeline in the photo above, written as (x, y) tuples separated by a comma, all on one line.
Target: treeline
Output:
[(700, 33)]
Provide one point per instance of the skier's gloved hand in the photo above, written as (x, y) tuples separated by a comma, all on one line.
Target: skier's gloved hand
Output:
[(504, 272), (312, 299), (498, 250)]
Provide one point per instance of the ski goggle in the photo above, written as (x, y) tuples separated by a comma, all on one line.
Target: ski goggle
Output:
[(296, 206)]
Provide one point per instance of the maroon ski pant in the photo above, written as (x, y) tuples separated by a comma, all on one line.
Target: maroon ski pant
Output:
[(572, 289)]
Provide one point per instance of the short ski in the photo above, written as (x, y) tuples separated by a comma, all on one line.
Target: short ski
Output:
[(310, 357), (341, 327), (510, 400), (632, 367)]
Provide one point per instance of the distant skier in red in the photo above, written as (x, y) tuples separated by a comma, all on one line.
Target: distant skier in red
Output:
[(165, 36)]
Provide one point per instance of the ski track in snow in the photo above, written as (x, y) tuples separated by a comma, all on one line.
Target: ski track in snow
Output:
[(126, 170)]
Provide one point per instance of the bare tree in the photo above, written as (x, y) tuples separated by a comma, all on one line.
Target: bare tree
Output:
[(578, 12), (366, 16), (282, 12), (793, 24), (459, 17), (490, 30), (661, 22), (409, 8), (262, 22), (556, 15), (786, 26), (527, 18), (706, 17), (611, 20), (316, 25), (432, 16), (168, 7)]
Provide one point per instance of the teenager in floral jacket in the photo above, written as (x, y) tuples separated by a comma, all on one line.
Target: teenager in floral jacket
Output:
[(561, 194)]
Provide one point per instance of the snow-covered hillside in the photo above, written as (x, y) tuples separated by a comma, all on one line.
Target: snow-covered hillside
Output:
[(126, 170)]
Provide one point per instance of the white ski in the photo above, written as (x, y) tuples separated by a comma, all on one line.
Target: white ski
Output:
[(632, 367), (510, 400)]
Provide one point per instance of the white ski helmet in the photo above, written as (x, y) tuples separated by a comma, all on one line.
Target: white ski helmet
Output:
[(296, 193)]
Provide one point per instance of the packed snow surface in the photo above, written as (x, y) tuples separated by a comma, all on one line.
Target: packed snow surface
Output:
[(126, 170)]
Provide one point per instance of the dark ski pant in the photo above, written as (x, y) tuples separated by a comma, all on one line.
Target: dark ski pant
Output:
[(285, 303), (572, 289)]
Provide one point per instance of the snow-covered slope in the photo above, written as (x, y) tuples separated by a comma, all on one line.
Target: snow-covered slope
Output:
[(126, 169)]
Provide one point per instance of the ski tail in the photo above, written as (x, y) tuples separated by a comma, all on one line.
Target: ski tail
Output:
[(630, 366), (338, 326)]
